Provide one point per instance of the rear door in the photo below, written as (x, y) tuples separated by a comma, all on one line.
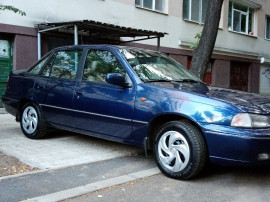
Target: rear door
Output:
[(103, 108), (54, 88)]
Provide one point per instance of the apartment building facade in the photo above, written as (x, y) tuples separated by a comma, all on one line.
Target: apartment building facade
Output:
[(241, 58)]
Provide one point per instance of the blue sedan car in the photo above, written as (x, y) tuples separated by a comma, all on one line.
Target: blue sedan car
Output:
[(143, 98)]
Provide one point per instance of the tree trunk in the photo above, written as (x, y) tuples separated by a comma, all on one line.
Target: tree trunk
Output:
[(202, 54)]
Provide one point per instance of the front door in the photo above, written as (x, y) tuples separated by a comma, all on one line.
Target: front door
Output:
[(5, 66), (239, 76), (102, 108)]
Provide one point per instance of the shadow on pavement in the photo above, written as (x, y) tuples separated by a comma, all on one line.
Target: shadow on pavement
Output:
[(241, 173)]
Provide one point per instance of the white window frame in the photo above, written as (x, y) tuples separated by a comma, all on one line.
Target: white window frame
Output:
[(190, 13), (165, 6), (241, 13)]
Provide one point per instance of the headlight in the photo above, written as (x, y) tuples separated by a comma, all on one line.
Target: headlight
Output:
[(250, 120)]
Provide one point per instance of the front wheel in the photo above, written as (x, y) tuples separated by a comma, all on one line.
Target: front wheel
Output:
[(180, 150), (32, 121)]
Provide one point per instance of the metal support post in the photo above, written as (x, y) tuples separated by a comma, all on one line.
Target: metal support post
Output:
[(39, 45), (158, 44), (75, 35)]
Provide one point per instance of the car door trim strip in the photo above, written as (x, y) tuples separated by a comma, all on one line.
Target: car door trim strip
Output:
[(95, 114), (9, 98)]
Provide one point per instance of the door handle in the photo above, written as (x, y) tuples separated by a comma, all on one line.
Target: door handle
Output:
[(79, 93), (39, 87)]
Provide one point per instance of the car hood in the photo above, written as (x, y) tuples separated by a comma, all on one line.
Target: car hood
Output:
[(246, 102)]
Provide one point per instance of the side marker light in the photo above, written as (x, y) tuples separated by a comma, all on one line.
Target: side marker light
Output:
[(143, 99)]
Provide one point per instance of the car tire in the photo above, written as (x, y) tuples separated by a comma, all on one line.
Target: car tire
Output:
[(32, 121), (180, 150)]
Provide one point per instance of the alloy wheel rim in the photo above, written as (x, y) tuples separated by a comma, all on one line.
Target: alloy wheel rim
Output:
[(173, 151), (29, 120)]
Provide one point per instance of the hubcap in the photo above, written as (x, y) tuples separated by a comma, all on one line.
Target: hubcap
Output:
[(29, 120), (173, 151)]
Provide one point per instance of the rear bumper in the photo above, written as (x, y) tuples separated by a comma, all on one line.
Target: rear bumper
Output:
[(10, 105), (229, 145)]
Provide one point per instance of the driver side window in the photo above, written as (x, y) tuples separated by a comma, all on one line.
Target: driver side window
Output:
[(99, 63)]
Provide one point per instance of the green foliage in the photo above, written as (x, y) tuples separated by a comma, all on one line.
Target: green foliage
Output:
[(197, 37), (12, 8)]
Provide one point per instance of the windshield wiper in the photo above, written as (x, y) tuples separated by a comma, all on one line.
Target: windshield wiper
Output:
[(179, 81), (158, 80), (188, 81)]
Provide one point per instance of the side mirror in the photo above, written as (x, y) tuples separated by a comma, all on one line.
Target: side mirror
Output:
[(117, 79)]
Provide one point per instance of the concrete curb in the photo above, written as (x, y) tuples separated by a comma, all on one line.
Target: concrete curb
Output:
[(43, 171), (86, 189)]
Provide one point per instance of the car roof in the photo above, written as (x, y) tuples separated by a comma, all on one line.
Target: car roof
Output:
[(97, 46)]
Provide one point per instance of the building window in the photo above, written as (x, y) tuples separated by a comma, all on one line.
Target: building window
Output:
[(195, 10), (155, 5), (267, 28), (240, 18)]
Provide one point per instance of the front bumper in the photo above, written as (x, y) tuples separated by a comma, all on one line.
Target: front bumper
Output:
[(231, 145)]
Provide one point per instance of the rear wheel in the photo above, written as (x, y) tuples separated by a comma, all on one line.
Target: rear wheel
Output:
[(32, 121), (180, 150)]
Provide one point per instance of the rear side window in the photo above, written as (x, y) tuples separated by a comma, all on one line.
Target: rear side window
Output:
[(63, 64), (35, 70)]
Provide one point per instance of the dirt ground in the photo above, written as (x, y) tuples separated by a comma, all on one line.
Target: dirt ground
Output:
[(10, 166)]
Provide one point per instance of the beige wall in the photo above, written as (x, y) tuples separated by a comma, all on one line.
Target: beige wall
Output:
[(264, 11), (175, 8)]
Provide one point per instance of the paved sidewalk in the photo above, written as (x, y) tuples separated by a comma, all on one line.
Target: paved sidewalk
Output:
[(71, 164), (75, 180), (60, 149)]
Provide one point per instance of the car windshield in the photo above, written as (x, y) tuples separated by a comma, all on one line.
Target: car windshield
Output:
[(152, 66)]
